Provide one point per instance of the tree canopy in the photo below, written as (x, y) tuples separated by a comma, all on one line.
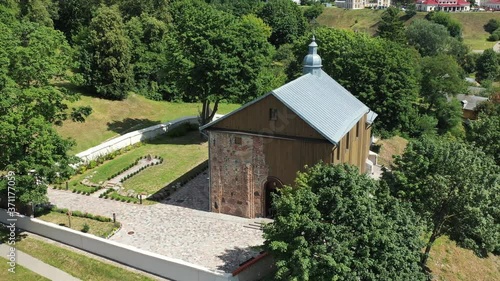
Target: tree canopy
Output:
[(286, 20), (105, 55), (31, 55), (391, 27), (382, 74), (337, 224), (219, 56), (455, 189)]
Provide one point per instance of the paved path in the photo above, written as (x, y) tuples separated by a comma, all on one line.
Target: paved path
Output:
[(215, 241), (38, 266)]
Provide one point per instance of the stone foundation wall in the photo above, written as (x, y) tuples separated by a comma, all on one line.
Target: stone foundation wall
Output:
[(238, 172)]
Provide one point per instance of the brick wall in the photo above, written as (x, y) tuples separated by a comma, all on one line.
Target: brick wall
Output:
[(238, 171)]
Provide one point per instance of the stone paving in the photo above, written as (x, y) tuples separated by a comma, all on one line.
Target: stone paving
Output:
[(215, 241)]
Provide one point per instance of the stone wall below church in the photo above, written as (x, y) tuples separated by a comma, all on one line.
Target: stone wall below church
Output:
[(238, 172)]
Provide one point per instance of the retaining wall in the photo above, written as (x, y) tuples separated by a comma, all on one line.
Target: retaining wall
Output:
[(150, 262), (133, 137)]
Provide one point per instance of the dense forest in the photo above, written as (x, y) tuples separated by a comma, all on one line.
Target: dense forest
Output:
[(217, 51)]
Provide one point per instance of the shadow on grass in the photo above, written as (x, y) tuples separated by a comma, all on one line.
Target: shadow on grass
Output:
[(130, 124), (179, 138), (234, 258)]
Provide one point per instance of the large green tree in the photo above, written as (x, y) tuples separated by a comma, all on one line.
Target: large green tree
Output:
[(151, 40), (431, 38), (237, 7), (105, 53), (485, 133), (453, 26), (454, 187), (487, 66), (337, 224), (442, 80), (381, 73), (391, 27), (74, 15), (31, 57), (219, 56), (286, 20)]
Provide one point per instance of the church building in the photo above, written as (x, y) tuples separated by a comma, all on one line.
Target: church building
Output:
[(261, 146)]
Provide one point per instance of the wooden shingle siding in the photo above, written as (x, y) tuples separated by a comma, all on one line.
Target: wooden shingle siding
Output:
[(255, 119)]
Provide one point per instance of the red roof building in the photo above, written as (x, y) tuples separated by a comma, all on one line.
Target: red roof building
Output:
[(443, 5)]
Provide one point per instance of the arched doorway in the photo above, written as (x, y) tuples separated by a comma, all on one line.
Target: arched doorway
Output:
[(270, 187)]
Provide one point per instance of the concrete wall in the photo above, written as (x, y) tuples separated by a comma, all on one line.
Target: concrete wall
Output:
[(150, 262), (133, 137)]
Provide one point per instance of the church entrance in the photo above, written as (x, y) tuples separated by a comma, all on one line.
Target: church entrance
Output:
[(270, 187)]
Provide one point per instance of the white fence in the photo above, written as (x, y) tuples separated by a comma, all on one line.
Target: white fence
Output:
[(150, 262), (133, 137)]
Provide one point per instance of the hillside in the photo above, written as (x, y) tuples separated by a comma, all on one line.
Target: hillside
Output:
[(111, 118), (366, 20)]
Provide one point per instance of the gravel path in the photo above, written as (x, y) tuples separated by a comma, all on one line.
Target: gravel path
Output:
[(215, 241)]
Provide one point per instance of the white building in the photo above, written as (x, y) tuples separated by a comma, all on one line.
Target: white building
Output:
[(443, 5)]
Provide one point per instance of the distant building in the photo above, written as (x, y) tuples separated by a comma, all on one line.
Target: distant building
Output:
[(491, 5), (443, 5), (361, 4), (469, 104), (258, 148)]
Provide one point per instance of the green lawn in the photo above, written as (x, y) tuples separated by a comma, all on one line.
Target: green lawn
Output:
[(180, 155), (21, 273), (97, 228), (78, 265), (112, 118)]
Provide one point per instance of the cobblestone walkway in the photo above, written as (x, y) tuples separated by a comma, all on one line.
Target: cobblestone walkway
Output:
[(215, 241)]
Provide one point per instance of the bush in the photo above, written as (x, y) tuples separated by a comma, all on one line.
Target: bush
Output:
[(92, 164), (77, 214), (494, 36), (85, 228)]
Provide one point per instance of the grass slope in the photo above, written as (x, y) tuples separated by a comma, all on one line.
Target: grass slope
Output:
[(366, 20), (112, 118), (21, 273), (78, 265), (451, 263)]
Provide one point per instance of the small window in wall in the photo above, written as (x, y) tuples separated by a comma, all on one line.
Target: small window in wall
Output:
[(273, 114), (357, 130), (237, 140), (338, 151), (348, 140)]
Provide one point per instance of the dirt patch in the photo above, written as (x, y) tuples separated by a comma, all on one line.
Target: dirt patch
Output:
[(389, 148)]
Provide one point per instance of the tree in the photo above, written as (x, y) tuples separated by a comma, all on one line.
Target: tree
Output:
[(485, 134), (487, 67), (337, 224), (151, 40), (39, 11), (286, 20), (454, 27), (391, 27), (492, 25), (313, 11), (219, 56), (380, 73), (105, 55), (155, 8), (430, 39), (74, 15), (455, 189), (237, 7), (442, 80), (31, 56)]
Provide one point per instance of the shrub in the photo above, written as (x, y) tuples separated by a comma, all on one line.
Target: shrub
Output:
[(85, 228), (77, 214)]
